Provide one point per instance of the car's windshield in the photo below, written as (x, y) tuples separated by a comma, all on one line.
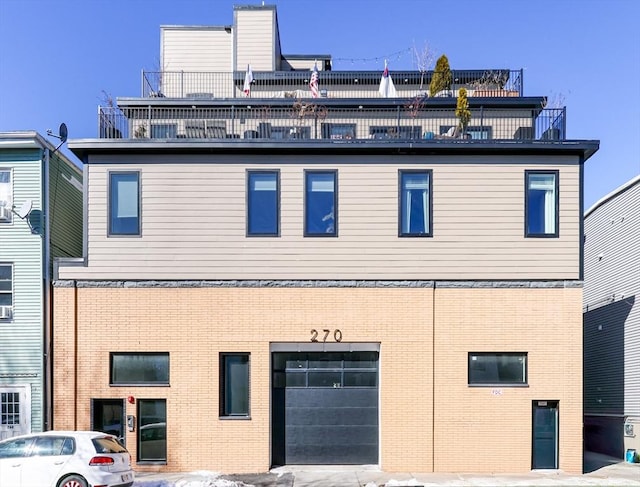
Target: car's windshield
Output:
[(107, 444)]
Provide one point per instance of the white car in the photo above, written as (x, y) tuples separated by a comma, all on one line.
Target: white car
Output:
[(64, 459)]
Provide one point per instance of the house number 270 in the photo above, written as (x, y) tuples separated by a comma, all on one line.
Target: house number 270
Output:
[(337, 335)]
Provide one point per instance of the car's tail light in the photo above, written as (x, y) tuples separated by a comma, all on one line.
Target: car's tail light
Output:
[(101, 461)]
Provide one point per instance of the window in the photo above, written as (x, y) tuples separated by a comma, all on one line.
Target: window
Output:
[(541, 203), (164, 131), (49, 446), (6, 291), (338, 131), (140, 368), (283, 133), (497, 368), (415, 204), (6, 196), (152, 430), (321, 205), (475, 132), (124, 203), (234, 384), (394, 132), (16, 448), (263, 209)]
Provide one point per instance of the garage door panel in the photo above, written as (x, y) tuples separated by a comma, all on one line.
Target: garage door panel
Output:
[(334, 424), (332, 416)]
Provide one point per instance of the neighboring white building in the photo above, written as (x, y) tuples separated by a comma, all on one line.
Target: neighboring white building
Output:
[(612, 321)]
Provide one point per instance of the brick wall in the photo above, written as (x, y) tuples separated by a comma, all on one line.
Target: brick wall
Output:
[(472, 428)]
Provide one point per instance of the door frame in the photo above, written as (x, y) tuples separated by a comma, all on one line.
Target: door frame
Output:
[(546, 404), (25, 403)]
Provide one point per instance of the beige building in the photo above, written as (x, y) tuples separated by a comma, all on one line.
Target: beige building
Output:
[(321, 275)]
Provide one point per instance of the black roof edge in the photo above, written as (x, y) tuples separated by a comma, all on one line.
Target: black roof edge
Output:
[(534, 102), (583, 148)]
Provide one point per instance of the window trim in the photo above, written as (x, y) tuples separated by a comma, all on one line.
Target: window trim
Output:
[(524, 383), (249, 172), (11, 293), (556, 174), (139, 384), (334, 172), (222, 384), (11, 195), (138, 420), (110, 233), (429, 173)]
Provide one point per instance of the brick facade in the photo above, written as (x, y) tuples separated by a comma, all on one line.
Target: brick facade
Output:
[(430, 419)]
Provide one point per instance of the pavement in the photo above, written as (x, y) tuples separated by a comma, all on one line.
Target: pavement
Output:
[(600, 470)]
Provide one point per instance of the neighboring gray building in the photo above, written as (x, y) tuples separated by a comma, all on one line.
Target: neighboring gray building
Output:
[(612, 322), (40, 219)]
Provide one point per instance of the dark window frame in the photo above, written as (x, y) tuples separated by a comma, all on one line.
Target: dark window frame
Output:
[(139, 383), (429, 173), (110, 205), (523, 383), (307, 173), (249, 173), (223, 412), (556, 232), (139, 435), (11, 194)]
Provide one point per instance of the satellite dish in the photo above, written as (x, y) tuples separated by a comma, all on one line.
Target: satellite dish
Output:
[(62, 132), (25, 209)]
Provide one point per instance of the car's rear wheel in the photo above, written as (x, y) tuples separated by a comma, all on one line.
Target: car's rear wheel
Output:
[(73, 481)]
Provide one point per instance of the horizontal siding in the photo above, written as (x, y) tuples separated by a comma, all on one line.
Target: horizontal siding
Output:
[(194, 51), (194, 222), (254, 37), (612, 280), (21, 340)]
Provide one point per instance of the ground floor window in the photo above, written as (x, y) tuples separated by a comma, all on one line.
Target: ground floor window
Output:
[(152, 430), (489, 368), (234, 384)]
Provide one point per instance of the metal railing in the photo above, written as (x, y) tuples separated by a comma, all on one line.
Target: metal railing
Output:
[(332, 84), (313, 121)]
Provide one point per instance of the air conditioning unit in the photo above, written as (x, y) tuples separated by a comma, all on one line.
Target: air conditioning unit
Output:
[(6, 312), (5, 214)]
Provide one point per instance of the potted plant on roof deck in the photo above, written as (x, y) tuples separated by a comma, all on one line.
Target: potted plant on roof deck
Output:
[(462, 111), (441, 79)]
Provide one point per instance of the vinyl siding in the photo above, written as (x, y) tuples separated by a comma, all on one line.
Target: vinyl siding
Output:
[(193, 224), (254, 38), (194, 50), (21, 339), (612, 302)]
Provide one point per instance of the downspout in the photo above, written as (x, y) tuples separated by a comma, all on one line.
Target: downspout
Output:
[(46, 302)]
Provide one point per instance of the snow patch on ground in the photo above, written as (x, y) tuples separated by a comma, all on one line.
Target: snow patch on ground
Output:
[(193, 479)]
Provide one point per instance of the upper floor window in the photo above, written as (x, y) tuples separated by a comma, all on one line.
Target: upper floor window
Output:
[(541, 203), (263, 195), (141, 368), (124, 203), (394, 132), (234, 384), (6, 291), (486, 368), (415, 203), (321, 204), (339, 131), (164, 131), (6, 196)]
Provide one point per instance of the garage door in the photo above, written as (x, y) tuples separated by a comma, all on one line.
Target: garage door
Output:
[(325, 408)]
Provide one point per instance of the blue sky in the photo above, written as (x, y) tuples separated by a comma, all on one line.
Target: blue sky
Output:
[(58, 56)]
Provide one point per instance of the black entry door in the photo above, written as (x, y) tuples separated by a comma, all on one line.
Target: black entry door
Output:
[(107, 415), (325, 408), (545, 435)]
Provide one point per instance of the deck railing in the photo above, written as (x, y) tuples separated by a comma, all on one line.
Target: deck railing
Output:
[(332, 84), (311, 121)]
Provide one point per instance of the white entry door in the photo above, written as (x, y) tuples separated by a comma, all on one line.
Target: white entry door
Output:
[(15, 410)]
